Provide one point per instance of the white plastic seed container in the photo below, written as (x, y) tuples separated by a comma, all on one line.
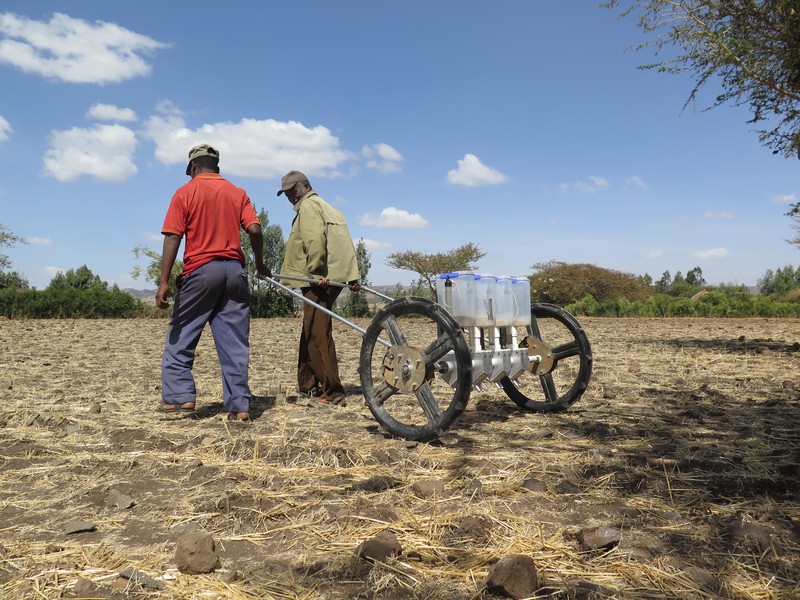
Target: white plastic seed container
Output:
[(521, 286), (484, 306), (457, 298), (504, 302)]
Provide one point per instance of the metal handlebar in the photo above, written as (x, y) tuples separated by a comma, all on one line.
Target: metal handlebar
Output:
[(336, 283), (322, 308)]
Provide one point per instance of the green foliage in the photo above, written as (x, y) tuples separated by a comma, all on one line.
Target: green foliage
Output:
[(266, 302), (274, 248), (752, 48), (81, 278), (428, 266), (13, 279), (7, 239), (355, 303), (152, 272), (720, 302), (562, 283), (69, 303), (781, 281)]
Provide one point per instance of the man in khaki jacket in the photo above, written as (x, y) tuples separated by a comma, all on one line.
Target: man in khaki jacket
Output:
[(319, 246)]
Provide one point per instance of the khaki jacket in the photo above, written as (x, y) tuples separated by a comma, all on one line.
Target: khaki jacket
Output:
[(319, 244)]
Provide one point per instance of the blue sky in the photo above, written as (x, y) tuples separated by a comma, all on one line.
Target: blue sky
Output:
[(522, 126)]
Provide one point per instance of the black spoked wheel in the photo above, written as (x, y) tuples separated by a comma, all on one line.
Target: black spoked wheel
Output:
[(406, 345), (562, 376)]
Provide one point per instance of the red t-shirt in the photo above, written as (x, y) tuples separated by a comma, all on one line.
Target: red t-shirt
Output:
[(209, 212)]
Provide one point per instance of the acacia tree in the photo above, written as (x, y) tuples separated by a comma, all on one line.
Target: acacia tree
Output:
[(794, 213), (752, 46), (7, 239), (428, 266)]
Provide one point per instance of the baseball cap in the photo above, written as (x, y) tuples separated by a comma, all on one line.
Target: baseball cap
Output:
[(201, 150), (289, 180)]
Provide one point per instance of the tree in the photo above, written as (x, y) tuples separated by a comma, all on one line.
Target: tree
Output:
[(274, 247), (81, 278), (794, 213), (428, 266), (356, 304), (752, 46), (662, 285), (7, 239), (562, 283), (152, 272), (695, 277), (779, 282), (13, 280)]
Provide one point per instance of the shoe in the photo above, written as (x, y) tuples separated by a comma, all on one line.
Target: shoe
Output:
[(334, 400), (242, 416), (186, 407)]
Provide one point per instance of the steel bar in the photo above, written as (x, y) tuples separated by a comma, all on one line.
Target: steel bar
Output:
[(322, 308), (336, 283)]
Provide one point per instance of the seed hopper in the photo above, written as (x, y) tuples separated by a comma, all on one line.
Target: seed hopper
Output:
[(420, 359)]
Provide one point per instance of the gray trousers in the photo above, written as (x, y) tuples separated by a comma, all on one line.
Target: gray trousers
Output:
[(216, 293)]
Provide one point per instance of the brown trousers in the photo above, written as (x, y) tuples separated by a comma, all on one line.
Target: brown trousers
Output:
[(316, 361)]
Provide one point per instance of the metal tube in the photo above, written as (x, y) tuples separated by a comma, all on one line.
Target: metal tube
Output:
[(323, 309), (336, 283)]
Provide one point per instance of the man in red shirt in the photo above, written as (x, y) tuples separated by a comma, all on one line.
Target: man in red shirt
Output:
[(209, 212)]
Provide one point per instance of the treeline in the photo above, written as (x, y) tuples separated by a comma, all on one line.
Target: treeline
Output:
[(588, 290), (80, 294)]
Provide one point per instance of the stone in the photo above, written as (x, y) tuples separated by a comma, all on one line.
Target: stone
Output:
[(534, 485), (380, 548), (427, 488), (142, 579), (119, 500), (79, 527), (377, 483), (196, 553), (599, 538), (704, 578), (513, 576)]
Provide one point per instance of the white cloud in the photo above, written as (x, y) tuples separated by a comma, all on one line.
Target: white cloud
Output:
[(472, 172), (103, 151), (262, 149), (393, 217), (635, 181), (5, 130), (722, 214), (712, 253), (784, 199), (109, 112), (74, 50), (594, 184), (383, 158), (654, 254), (37, 241), (373, 245), (52, 271)]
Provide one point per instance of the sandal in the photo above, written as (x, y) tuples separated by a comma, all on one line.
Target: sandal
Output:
[(335, 400)]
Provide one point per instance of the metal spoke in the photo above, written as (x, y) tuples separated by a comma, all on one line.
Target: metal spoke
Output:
[(566, 350), (437, 349), (391, 326), (429, 405), (549, 388), (383, 392)]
